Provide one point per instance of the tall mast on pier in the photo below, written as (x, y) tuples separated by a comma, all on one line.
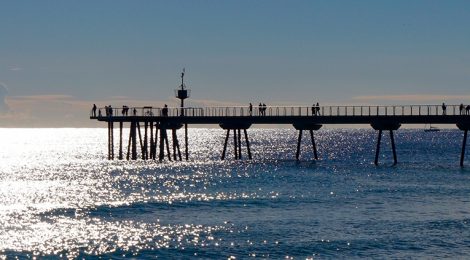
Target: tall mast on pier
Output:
[(182, 92)]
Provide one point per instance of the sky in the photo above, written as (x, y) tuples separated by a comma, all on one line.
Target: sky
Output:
[(59, 57)]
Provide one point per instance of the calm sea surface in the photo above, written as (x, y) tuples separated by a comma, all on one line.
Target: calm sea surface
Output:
[(60, 196)]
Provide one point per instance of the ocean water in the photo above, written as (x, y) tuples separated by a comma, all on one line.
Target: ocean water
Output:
[(61, 197)]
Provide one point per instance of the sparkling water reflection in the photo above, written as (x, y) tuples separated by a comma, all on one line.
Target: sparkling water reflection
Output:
[(60, 196)]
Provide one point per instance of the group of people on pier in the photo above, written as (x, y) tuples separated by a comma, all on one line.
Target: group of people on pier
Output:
[(261, 109), (316, 109), (466, 108)]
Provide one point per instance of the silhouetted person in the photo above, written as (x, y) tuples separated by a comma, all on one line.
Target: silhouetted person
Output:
[(99, 112), (110, 110), (165, 110), (461, 108), (94, 110), (251, 109), (313, 109), (125, 110), (106, 110), (444, 108), (134, 111), (260, 109), (264, 109), (467, 110), (317, 108)]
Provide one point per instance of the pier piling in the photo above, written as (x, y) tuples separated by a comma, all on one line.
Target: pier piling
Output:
[(145, 153), (392, 140), (237, 139), (464, 144), (310, 127), (239, 144), (225, 144), (247, 144), (120, 139), (186, 151), (380, 126), (134, 140), (140, 141), (166, 143), (299, 140), (110, 141), (235, 144), (377, 150), (152, 144), (314, 146)]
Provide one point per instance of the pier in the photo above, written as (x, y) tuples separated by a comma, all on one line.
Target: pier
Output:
[(149, 126)]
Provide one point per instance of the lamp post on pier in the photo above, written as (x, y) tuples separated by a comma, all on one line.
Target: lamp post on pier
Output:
[(182, 93)]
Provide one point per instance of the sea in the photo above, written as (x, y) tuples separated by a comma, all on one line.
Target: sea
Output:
[(60, 197)]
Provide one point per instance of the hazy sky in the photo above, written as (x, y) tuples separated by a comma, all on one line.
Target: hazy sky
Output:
[(66, 55)]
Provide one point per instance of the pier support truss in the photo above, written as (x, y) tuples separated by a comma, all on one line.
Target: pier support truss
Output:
[(390, 127), (310, 128), (237, 140), (147, 140)]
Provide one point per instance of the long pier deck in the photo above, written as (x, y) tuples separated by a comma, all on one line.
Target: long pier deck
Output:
[(235, 119)]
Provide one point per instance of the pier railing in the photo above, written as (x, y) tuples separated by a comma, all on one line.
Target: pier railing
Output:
[(277, 111)]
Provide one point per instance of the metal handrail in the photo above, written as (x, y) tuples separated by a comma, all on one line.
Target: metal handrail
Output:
[(279, 111)]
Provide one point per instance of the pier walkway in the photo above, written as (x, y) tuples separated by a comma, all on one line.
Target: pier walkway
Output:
[(155, 120)]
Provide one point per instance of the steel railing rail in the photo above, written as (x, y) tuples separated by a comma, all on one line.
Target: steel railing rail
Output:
[(279, 111)]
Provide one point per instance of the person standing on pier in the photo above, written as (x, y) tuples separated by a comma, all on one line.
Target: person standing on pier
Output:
[(467, 110), (125, 110), (317, 109), (94, 110), (313, 109), (165, 110), (251, 109), (461, 107), (110, 110), (260, 109), (444, 108)]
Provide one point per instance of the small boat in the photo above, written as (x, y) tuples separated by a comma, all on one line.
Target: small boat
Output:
[(431, 129)]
